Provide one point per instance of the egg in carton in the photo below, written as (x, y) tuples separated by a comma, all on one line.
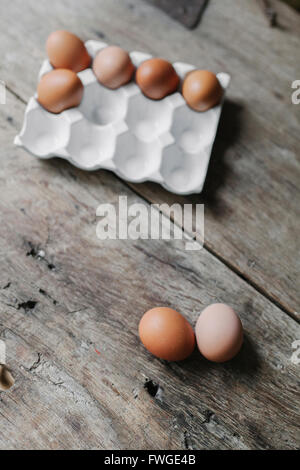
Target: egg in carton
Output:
[(123, 131)]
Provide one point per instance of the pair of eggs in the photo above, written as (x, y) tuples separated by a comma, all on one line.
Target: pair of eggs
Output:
[(168, 335), (61, 88)]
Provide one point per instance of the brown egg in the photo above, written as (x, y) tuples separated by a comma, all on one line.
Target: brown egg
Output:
[(219, 333), (59, 90), (157, 78), (167, 334), (113, 67), (67, 51), (201, 90)]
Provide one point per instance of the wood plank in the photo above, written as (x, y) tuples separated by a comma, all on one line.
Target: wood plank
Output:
[(252, 189), (82, 294)]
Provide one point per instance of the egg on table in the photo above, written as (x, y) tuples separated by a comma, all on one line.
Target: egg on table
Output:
[(167, 334), (67, 51), (202, 90), (113, 67), (157, 78), (60, 89), (219, 333)]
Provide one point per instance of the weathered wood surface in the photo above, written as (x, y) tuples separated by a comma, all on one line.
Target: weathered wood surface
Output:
[(252, 190), (85, 294)]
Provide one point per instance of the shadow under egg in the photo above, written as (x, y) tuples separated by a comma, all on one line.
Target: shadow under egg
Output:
[(6, 379)]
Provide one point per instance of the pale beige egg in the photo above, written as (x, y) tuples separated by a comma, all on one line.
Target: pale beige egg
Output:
[(219, 333)]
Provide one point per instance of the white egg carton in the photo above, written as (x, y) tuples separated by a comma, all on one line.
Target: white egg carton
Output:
[(123, 131)]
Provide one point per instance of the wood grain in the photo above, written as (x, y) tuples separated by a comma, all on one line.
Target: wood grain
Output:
[(69, 309), (252, 189)]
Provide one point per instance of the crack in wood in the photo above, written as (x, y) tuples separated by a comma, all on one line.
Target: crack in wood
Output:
[(209, 415), (27, 306), (151, 387), (45, 294), (36, 363), (154, 389), (37, 253), (187, 441)]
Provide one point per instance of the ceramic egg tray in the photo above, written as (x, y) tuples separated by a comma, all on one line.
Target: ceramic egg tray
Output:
[(123, 131)]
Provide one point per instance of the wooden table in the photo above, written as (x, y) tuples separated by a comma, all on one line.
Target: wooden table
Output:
[(65, 294)]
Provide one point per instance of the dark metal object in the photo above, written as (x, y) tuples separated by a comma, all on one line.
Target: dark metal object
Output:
[(187, 12), (269, 12), (293, 3)]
